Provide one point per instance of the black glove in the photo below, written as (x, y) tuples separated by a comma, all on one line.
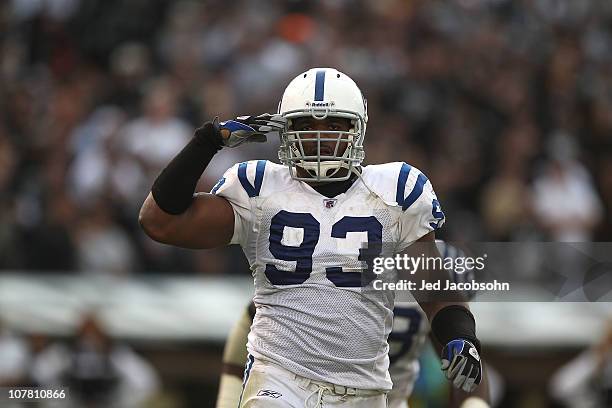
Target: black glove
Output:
[(461, 364)]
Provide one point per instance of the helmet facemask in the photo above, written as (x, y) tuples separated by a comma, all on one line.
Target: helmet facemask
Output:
[(322, 164)]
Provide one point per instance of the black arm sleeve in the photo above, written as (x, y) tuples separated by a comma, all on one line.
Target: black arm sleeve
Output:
[(174, 187), (454, 322)]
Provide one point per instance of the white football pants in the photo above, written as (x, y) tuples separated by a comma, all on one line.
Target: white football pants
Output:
[(267, 385)]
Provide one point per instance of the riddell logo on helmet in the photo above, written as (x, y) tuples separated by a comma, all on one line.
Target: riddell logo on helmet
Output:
[(319, 104)]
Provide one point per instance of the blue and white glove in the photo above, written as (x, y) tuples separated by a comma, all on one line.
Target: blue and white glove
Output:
[(461, 364), (246, 129)]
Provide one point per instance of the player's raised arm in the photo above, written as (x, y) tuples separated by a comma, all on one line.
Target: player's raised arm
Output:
[(172, 214)]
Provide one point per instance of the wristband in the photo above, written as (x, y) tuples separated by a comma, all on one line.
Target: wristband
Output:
[(455, 322)]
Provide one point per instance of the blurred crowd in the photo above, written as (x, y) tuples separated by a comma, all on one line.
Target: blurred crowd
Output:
[(505, 105), (92, 369)]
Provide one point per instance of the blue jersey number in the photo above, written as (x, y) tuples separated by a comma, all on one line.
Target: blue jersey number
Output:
[(438, 214), (302, 255), (405, 337)]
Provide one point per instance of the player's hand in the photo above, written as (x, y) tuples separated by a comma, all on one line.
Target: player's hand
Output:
[(461, 364), (246, 129)]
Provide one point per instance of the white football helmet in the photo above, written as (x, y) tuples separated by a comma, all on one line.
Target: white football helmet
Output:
[(322, 93)]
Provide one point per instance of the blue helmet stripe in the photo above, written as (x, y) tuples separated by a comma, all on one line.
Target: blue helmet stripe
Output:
[(319, 85)]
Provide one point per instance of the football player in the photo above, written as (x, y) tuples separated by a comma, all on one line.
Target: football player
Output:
[(318, 336), (406, 341)]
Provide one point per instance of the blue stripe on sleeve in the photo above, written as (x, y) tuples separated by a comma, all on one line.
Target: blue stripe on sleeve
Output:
[(401, 183), (252, 191), (218, 185), (416, 192), (319, 85)]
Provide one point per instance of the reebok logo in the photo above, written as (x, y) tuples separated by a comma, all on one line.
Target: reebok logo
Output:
[(269, 393)]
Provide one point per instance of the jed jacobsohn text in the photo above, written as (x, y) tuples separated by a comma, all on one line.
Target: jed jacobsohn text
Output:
[(414, 263), (442, 285)]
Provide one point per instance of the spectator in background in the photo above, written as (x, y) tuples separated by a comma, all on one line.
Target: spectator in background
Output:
[(14, 359), (586, 381), (505, 198), (94, 172), (152, 139), (50, 242), (566, 203), (99, 371), (130, 66), (103, 248)]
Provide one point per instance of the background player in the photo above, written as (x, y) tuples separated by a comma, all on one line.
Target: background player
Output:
[(315, 326)]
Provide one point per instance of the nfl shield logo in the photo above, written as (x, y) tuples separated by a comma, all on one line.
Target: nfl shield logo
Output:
[(330, 202)]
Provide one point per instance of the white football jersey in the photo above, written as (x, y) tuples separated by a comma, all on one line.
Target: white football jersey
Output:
[(304, 248)]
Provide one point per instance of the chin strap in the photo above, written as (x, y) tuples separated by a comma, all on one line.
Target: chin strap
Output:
[(357, 171), (325, 168)]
